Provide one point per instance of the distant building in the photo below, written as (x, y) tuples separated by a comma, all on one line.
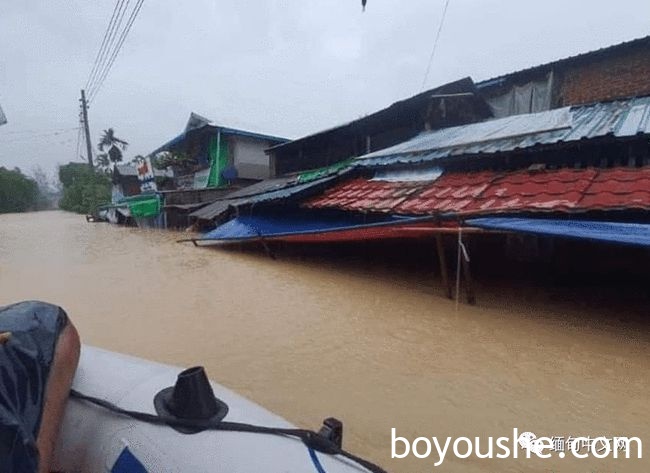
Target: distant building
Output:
[(452, 104), (616, 72), (217, 156)]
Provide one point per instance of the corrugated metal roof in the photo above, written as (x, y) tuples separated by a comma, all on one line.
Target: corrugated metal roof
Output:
[(622, 118), (265, 191), (215, 128), (461, 86), (490, 192)]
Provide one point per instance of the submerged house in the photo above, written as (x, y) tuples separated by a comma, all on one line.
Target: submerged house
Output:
[(614, 72), (208, 162), (126, 183), (301, 167), (207, 155), (452, 104), (563, 170)]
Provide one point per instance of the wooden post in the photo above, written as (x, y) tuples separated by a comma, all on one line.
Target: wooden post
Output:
[(469, 287), (443, 265)]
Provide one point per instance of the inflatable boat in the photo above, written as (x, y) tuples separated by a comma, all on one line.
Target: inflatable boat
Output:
[(128, 415)]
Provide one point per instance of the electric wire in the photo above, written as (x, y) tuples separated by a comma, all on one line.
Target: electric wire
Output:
[(37, 132), (435, 44), (38, 136), (93, 70), (122, 6), (118, 48)]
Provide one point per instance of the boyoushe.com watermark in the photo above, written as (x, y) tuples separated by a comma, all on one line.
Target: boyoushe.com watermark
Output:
[(526, 443)]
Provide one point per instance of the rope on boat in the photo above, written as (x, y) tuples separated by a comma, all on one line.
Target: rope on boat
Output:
[(311, 439)]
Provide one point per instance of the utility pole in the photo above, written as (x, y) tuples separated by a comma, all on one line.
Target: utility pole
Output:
[(84, 114)]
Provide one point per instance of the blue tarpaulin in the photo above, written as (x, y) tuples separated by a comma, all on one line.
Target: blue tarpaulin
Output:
[(637, 234), (269, 226)]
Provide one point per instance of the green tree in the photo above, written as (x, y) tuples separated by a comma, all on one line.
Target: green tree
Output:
[(83, 190), (18, 193), (179, 161), (113, 144)]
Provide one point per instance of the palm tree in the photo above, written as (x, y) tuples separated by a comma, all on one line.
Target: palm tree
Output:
[(113, 143)]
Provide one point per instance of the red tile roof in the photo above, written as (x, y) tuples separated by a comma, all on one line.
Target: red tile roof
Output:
[(489, 192), (363, 194), (619, 188), (558, 191)]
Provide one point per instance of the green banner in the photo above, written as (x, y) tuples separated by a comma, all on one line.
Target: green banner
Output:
[(319, 173), (218, 154), (147, 205)]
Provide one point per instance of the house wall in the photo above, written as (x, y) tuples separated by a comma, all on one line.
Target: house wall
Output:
[(621, 72), (249, 157), (330, 149), (615, 76)]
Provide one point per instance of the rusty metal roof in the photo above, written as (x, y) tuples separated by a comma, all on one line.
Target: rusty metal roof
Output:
[(619, 119), (492, 192)]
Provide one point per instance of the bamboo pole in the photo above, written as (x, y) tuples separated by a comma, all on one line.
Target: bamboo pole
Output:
[(443, 265)]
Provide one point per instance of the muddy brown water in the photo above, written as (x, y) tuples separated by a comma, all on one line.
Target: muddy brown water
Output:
[(376, 346)]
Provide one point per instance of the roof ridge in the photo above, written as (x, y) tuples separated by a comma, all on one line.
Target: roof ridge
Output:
[(574, 57)]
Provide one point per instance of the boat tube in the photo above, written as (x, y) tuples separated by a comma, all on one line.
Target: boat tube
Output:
[(128, 415)]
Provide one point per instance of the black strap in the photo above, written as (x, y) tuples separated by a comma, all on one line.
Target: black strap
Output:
[(309, 437)]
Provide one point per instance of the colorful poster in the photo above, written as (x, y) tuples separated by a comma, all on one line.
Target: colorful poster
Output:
[(146, 176)]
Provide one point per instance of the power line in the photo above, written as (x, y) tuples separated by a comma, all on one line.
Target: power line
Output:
[(120, 43), (32, 137), (112, 41), (93, 71), (36, 132), (435, 44), (112, 34)]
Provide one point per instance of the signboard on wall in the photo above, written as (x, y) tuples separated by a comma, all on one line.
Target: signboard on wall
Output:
[(201, 179), (146, 176)]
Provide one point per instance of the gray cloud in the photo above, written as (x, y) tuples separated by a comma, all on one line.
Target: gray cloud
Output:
[(285, 67)]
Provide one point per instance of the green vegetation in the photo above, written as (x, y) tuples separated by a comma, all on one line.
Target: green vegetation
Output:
[(18, 193), (114, 147), (83, 190), (179, 161)]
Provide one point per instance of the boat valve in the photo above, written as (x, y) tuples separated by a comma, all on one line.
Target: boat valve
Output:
[(191, 399)]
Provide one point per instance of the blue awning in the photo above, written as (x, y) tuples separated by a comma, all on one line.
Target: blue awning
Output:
[(637, 234), (272, 226)]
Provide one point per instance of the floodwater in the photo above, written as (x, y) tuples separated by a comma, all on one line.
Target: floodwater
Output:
[(378, 347)]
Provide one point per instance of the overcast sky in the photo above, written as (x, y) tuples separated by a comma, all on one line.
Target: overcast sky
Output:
[(283, 67)]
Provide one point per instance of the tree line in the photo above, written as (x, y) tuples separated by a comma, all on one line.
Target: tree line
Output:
[(18, 192), (82, 189), (85, 189)]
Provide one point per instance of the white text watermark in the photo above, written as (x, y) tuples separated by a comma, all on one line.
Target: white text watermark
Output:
[(526, 443)]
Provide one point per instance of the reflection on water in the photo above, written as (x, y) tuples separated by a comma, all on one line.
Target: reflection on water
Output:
[(370, 344)]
